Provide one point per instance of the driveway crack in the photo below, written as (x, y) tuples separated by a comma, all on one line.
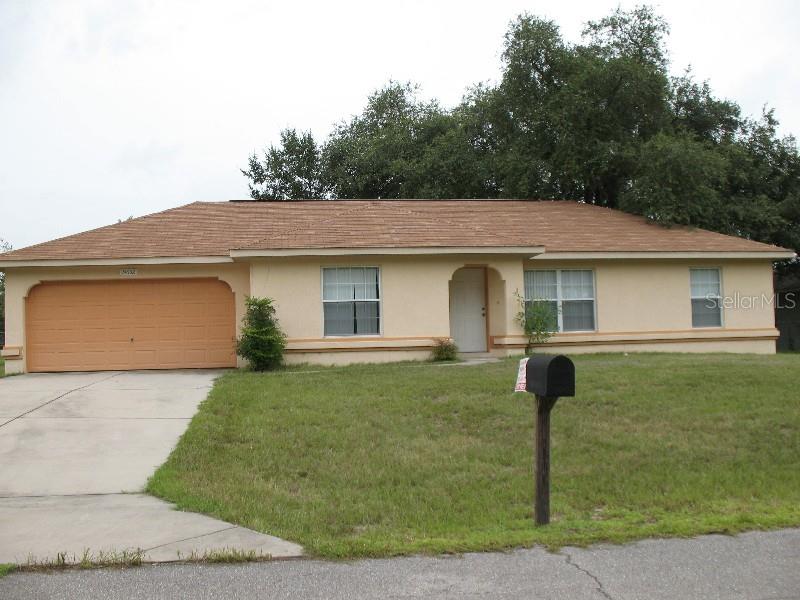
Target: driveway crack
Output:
[(194, 537), (568, 559), (83, 387)]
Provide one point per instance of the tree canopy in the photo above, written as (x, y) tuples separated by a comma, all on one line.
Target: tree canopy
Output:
[(601, 121)]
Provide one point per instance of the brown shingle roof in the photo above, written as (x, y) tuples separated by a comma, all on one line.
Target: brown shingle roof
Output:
[(216, 228)]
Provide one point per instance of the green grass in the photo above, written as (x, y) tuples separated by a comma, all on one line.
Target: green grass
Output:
[(7, 568), (382, 460), (86, 560), (127, 558), (2, 368)]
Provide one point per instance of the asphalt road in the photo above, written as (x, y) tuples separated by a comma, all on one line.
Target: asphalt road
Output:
[(752, 566)]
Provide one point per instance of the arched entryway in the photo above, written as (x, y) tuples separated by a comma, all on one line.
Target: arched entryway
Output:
[(468, 309)]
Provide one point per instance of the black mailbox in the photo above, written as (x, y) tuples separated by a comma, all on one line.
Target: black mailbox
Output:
[(550, 376)]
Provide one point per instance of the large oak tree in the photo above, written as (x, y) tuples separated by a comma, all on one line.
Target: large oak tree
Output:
[(600, 121)]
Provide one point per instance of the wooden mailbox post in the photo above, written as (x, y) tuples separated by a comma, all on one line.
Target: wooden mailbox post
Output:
[(549, 378)]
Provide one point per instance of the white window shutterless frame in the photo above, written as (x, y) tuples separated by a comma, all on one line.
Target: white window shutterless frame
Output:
[(706, 296), (569, 292), (351, 301)]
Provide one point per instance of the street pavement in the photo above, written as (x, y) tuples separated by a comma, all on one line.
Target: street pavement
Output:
[(751, 566)]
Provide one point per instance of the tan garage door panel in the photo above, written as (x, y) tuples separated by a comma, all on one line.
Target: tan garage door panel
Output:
[(121, 325)]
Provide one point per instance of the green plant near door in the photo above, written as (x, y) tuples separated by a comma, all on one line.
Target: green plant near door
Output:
[(445, 349), (537, 320), (262, 342)]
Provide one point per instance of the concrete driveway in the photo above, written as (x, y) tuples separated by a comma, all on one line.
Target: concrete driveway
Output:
[(75, 449)]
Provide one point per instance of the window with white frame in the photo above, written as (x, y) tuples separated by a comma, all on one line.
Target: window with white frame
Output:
[(706, 286), (568, 293), (351, 300)]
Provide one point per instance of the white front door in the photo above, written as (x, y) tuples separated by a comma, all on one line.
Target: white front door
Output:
[(468, 309)]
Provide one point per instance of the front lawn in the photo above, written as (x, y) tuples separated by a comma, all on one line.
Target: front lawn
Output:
[(373, 460), (2, 367)]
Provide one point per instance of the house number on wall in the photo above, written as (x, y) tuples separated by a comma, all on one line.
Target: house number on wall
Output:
[(128, 272)]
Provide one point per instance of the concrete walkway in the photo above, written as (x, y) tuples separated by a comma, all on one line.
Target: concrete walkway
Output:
[(752, 566), (76, 447)]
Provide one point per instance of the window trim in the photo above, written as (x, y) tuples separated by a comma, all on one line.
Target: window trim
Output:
[(379, 301), (560, 298), (719, 298)]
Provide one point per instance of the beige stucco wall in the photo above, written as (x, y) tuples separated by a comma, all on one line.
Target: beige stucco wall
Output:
[(19, 281), (647, 304), (655, 295), (415, 303), (642, 305), (331, 358)]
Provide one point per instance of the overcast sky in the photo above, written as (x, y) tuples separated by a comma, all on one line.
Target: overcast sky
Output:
[(123, 108)]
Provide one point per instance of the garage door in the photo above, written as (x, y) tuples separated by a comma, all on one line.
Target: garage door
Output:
[(122, 325)]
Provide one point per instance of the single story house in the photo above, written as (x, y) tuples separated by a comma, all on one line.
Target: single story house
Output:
[(380, 280)]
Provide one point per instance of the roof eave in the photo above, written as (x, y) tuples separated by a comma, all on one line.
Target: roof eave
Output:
[(396, 251), (532, 252), (777, 254), (104, 262)]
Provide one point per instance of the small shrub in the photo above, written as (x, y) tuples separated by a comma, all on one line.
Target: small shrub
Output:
[(262, 342), (537, 321), (445, 349)]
